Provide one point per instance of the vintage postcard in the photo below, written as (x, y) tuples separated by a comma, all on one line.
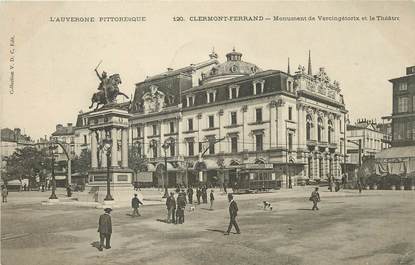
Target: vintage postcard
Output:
[(207, 132)]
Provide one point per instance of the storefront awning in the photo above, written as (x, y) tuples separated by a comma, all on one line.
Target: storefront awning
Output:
[(396, 153)]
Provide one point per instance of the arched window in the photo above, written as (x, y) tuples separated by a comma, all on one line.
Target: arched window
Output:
[(309, 125), (319, 129), (330, 132)]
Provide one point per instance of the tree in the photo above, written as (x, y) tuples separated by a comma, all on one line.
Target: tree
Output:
[(82, 163), (136, 161), (27, 162)]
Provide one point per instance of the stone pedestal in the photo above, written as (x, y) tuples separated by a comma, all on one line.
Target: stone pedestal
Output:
[(109, 135)]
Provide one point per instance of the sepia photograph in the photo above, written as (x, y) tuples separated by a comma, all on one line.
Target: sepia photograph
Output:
[(207, 132)]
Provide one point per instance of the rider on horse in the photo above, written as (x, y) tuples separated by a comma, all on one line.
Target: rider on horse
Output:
[(103, 86)]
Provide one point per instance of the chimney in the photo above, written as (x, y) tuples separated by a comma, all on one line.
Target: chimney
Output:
[(169, 69), (59, 127), (69, 126)]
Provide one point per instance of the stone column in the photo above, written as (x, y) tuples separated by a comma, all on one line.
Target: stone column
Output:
[(326, 128), (94, 149), (124, 148), (114, 148), (281, 141), (102, 152), (160, 150), (181, 150), (272, 126), (300, 127), (314, 135), (145, 142)]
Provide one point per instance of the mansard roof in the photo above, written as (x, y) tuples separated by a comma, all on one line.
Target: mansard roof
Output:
[(232, 81)]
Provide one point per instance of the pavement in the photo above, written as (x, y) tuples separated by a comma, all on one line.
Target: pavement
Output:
[(375, 227)]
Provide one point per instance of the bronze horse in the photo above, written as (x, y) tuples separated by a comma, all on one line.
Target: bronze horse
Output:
[(111, 86)]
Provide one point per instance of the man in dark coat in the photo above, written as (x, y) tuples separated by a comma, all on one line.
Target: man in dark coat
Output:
[(198, 194), (190, 194), (181, 205), (233, 212), (135, 204), (212, 198), (105, 229), (204, 194), (171, 208)]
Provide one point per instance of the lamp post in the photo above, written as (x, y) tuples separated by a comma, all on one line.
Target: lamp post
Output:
[(167, 144), (53, 195), (107, 149), (287, 169)]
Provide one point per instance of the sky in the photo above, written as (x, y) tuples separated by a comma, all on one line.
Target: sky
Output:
[(54, 62)]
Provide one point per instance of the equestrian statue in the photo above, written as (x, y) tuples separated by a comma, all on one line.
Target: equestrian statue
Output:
[(107, 90)]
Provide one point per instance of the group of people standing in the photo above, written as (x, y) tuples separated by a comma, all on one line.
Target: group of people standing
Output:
[(175, 208)]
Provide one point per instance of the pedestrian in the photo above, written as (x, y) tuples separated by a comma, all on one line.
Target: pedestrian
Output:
[(204, 194), (233, 212), (344, 180), (359, 185), (198, 194), (69, 191), (4, 194), (171, 208), (105, 229), (190, 194), (136, 186), (135, 204), (25, 187), (212, 198), (224, 188), (181, 205), (315, 198)]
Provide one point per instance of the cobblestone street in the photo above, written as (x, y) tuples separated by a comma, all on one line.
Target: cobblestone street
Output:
[(375, 227)]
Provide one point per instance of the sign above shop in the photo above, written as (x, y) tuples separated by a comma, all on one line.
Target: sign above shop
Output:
[(258, 166)]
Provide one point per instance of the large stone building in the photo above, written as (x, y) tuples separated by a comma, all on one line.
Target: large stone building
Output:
[(372, 137), (400, 159), (233, 122)]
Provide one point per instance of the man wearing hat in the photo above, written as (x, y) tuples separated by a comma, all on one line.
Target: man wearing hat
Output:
[(135, 204), (233, 212), (105, 229)]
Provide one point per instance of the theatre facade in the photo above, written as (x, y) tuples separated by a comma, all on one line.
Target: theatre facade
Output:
[(236, 124)]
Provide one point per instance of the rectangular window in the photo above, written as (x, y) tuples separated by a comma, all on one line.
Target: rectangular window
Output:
[(190, 124), (233, 93), (200, 147), (211, 97), (138, 132), (234, 144), (290, 141), (211, 121), (402, 104), (403, 86), (172, 149), (290, 113), (154, 129), (258, 142), (190, 100), (154, 150), (171, 127), (258, 115), (233, 118), (212, 148), (85, 139), (191, 148)]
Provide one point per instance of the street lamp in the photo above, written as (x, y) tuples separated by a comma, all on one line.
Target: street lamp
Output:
[(53, 195), (107, 149), (167, 144)]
